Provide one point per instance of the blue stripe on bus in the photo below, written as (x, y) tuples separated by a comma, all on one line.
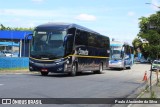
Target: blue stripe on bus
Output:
[(115, 44)]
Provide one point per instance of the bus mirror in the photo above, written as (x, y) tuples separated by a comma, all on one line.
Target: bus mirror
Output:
[(122, 54), (123, 49), (66, 38), (126, 56)]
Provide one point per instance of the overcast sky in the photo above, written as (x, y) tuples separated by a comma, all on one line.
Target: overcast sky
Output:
[(114, 18)]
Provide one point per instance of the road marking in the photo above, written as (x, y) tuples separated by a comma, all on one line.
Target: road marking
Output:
[(1, 84)]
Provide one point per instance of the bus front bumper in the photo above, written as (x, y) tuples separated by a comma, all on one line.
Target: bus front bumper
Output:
[(116, 65), (60, 67)]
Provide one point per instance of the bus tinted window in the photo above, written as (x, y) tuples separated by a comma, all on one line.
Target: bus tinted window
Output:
[(105, 43), (81, 38), (92, 40), (102, 42)]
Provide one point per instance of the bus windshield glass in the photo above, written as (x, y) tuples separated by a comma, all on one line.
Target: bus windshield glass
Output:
[(116, 52), (48, 44)]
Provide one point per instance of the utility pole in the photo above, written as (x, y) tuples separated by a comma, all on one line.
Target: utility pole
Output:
[(157, 56), (153, 5)]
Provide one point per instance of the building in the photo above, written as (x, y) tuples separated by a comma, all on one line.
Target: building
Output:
[(15, 41)]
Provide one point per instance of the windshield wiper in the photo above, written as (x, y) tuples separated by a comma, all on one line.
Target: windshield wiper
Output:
[(51, 56)]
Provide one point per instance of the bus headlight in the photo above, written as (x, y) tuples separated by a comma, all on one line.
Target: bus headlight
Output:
[(31, 61), (58, 60)]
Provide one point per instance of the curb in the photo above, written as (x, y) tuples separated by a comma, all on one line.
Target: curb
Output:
[(8, 72), (139, 91), (143, 92)]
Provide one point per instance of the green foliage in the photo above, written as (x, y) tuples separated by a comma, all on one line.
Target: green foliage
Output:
[(158, 84), (2, 27), (147, 88), (143, 24), (149, 31), (153, 94), (137, 43)]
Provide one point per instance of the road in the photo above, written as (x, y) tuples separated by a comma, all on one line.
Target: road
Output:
[(110, 84)]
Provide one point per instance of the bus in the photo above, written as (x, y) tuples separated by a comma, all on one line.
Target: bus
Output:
[(68, 48), (121, 55)]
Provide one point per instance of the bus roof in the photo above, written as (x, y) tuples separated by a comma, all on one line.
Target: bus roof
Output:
[(118, 43), (63, 26)]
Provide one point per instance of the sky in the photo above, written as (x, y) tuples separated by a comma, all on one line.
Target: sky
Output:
[(117, 19)]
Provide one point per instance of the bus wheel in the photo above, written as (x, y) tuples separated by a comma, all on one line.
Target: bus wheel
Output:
[(74, 70), (124, 68), (128, 68), (100, 71), (44, 73)]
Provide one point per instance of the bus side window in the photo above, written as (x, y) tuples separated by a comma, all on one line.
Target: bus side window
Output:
[(92, 40), (81, 38), (99, 42)]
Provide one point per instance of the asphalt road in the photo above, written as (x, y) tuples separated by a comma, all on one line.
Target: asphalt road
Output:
[(110, 84)]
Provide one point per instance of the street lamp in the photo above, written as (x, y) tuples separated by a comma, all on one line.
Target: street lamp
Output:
[(153, 5)]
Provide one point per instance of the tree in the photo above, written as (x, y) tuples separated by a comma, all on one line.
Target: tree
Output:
[(150, 31), (2, 27), (137, 44)]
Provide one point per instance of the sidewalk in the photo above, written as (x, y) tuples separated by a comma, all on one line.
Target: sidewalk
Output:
[(148, 94), (18, 71)]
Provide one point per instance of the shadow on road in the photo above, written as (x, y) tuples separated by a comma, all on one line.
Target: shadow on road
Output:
[(116, 69), (59, 75), (145, 63)]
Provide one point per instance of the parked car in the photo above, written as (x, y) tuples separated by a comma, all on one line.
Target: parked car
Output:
[(143, 60), (155, 65), (136, 59), (7, 53), (1, 54), (15, 54)]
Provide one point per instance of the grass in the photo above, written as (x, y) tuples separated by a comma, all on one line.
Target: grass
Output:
[(147, 88), (13, 70), (153, 95), (144, 91), (1, 69), (158, 84)]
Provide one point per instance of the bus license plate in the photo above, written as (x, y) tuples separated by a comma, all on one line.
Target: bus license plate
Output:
[(44, 70)]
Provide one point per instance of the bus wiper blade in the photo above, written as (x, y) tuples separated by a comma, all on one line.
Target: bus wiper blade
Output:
[(48, 55), (52, 56)]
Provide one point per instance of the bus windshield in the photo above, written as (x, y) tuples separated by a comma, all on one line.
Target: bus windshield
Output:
[(48, 44), (116, 52)]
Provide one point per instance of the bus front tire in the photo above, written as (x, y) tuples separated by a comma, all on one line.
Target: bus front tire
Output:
[(74, 70), (124, 68), (44, 73), (128, 67)]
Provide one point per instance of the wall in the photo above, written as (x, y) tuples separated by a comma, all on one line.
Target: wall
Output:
[(15, 62)]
